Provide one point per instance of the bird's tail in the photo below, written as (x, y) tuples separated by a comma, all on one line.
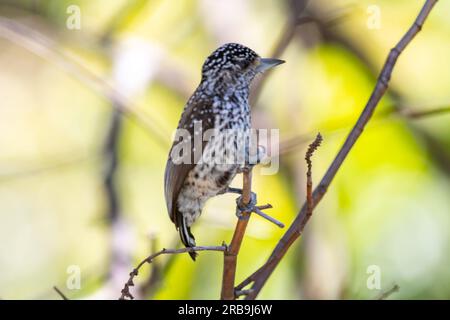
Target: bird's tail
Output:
[(185, 234)]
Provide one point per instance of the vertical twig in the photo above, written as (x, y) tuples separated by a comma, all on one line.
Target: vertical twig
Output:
[(309, 197), (230, 255)]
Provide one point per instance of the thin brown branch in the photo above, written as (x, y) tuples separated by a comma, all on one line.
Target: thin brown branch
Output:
[(126, 294), (257, 210), (279, 48), (388, 293), (61, 294), (230, 255), (260, 277)]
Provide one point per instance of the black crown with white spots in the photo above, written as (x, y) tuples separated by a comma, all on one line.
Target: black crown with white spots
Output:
[(230, 56)]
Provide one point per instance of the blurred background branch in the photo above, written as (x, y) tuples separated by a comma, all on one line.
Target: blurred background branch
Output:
[(49, 50)]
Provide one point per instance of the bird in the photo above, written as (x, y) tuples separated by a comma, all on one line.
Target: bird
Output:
[(220, 104)]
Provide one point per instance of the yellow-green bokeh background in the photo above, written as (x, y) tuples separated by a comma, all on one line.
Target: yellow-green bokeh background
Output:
[(389, 205)]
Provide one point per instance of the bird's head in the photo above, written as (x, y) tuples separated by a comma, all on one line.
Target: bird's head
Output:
[(235, 64)]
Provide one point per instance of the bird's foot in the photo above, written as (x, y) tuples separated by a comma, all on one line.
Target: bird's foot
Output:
[(233, 190), (242, 210)]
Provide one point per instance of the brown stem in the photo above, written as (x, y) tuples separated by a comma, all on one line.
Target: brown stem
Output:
[(230, 255), (260, 277)]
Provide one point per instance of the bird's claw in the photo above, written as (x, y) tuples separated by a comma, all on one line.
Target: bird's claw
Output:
[(242, 210), (233, 190)]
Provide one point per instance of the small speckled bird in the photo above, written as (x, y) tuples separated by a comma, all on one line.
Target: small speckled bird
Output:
[(220, 102)]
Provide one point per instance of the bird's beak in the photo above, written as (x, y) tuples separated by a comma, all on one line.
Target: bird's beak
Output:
[(267, 63)]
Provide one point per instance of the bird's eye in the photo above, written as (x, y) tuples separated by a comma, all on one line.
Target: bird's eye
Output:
[(242, 62)]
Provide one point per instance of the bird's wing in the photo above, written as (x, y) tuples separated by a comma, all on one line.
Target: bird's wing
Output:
[(176, 173)]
